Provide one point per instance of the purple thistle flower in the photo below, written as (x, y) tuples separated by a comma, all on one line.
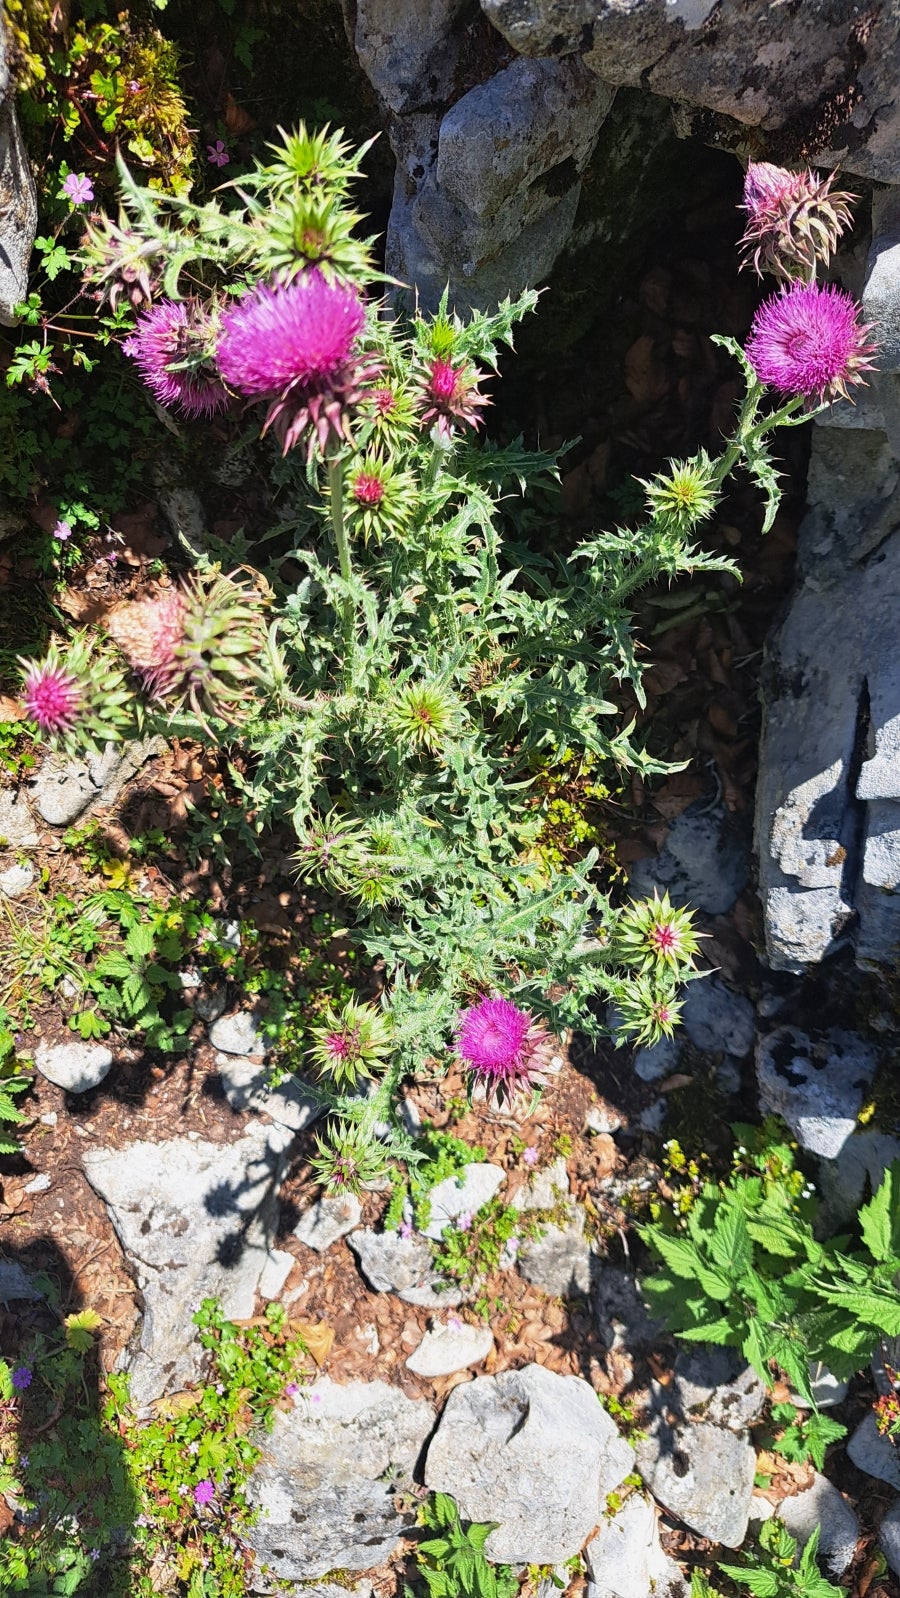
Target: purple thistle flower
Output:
[(204, 1493), (808, 341), (450, 394), (794, 220), (503, 1046), (53, 698), (293, 344), (170, 346), (77, 188), (21, 1378)]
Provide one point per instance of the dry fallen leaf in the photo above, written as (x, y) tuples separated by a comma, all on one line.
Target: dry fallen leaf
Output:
[(317, 1339)]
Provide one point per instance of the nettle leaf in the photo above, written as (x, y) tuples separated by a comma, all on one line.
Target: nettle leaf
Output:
[(676, 1252), (729, 1242), (879, 1220), (762, 1583)]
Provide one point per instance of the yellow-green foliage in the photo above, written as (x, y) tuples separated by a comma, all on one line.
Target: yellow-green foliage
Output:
[(569, 824), (111, 83)]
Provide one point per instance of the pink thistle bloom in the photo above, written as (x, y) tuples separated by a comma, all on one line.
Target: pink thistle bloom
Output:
[(62, 531), (204, 1492), (503, 1046), (794, 220), (52, 697), (294, 344), (450, 394), (808, 341), (77, 188), (367, 489), (216, 154), (170, 348)]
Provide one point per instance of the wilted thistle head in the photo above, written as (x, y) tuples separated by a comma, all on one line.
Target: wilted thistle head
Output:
[(122, 263), (352, 1043), (449, 395), (794, 220), (424, 716), (808, 341), (200, 647), (77, 697), (172, 347), (505, 1048), (652, 934), (294, 345), (686, 494), (346, 1160), (379, 499)]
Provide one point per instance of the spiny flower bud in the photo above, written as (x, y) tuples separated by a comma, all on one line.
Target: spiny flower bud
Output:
[(424, 716), (350, 1044), (346, 1160), (379, 499), (685, 495), (652, 933), (122, 263), (648, 1009), (77, 697), (794, 220), (199, 648), (449, 394)]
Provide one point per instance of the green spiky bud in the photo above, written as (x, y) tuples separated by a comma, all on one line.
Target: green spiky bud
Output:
[(648, 1010), (312, 162), (424, 716), (78, 697), (379, 500), (686, 494), (346, 1160), (655, 936), (351, 1043)]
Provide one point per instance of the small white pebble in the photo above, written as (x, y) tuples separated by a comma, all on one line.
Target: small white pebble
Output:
[(50, 1119)]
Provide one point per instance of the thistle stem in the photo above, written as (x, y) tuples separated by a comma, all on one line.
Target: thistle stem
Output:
[(336, 487)]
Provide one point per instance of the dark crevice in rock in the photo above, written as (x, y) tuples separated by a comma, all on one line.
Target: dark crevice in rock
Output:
[(853, 827)]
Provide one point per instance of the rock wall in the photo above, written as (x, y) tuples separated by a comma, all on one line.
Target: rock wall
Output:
[(18, 200), (494, 113)]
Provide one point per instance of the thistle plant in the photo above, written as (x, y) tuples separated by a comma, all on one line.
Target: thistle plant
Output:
[(420, 676)]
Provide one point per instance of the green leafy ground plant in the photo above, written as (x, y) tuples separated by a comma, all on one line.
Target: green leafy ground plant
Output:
[(453, 1564)]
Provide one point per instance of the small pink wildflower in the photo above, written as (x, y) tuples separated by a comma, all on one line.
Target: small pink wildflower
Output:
[(216, 154), (808, 341), (169, 346), (405, 1229), (78, 188), (531, 1156), (62, 531), (52, 697), (204, 1492), (464, 1221), (291, 1390)]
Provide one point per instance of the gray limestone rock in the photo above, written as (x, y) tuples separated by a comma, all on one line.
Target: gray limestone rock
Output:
[(16, 880), (560, 1261), (714, 1385), (196, 1220), (462, 1195), (328, 1220), (815, 1085), (625, 1559), (76, 1067), (402, 1265), (18, 197), (860, 1165), (705, 861), (533, 1451), (823, 1506), (701, 1473), (623, 1321), (17, 828), (246, 1088), (874, 1454), (64, 789), (654, 1061), (544, 1189), (450, 1347), (15, 1284), (889, 1537), (718, 1020), (322, 1505), (238, 1033)]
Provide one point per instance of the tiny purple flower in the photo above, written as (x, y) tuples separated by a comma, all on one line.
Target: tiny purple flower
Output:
[(464, 1221), (531, 1156), (315, 1398), (78, 188), (21, 1378), (204, 1492), (23, 1461), (405, 1229), (291, 1390), (216, 154), (62, 531), (94, 1553)]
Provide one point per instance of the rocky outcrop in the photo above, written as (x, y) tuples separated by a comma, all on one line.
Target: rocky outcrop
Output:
[(18, 199)]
